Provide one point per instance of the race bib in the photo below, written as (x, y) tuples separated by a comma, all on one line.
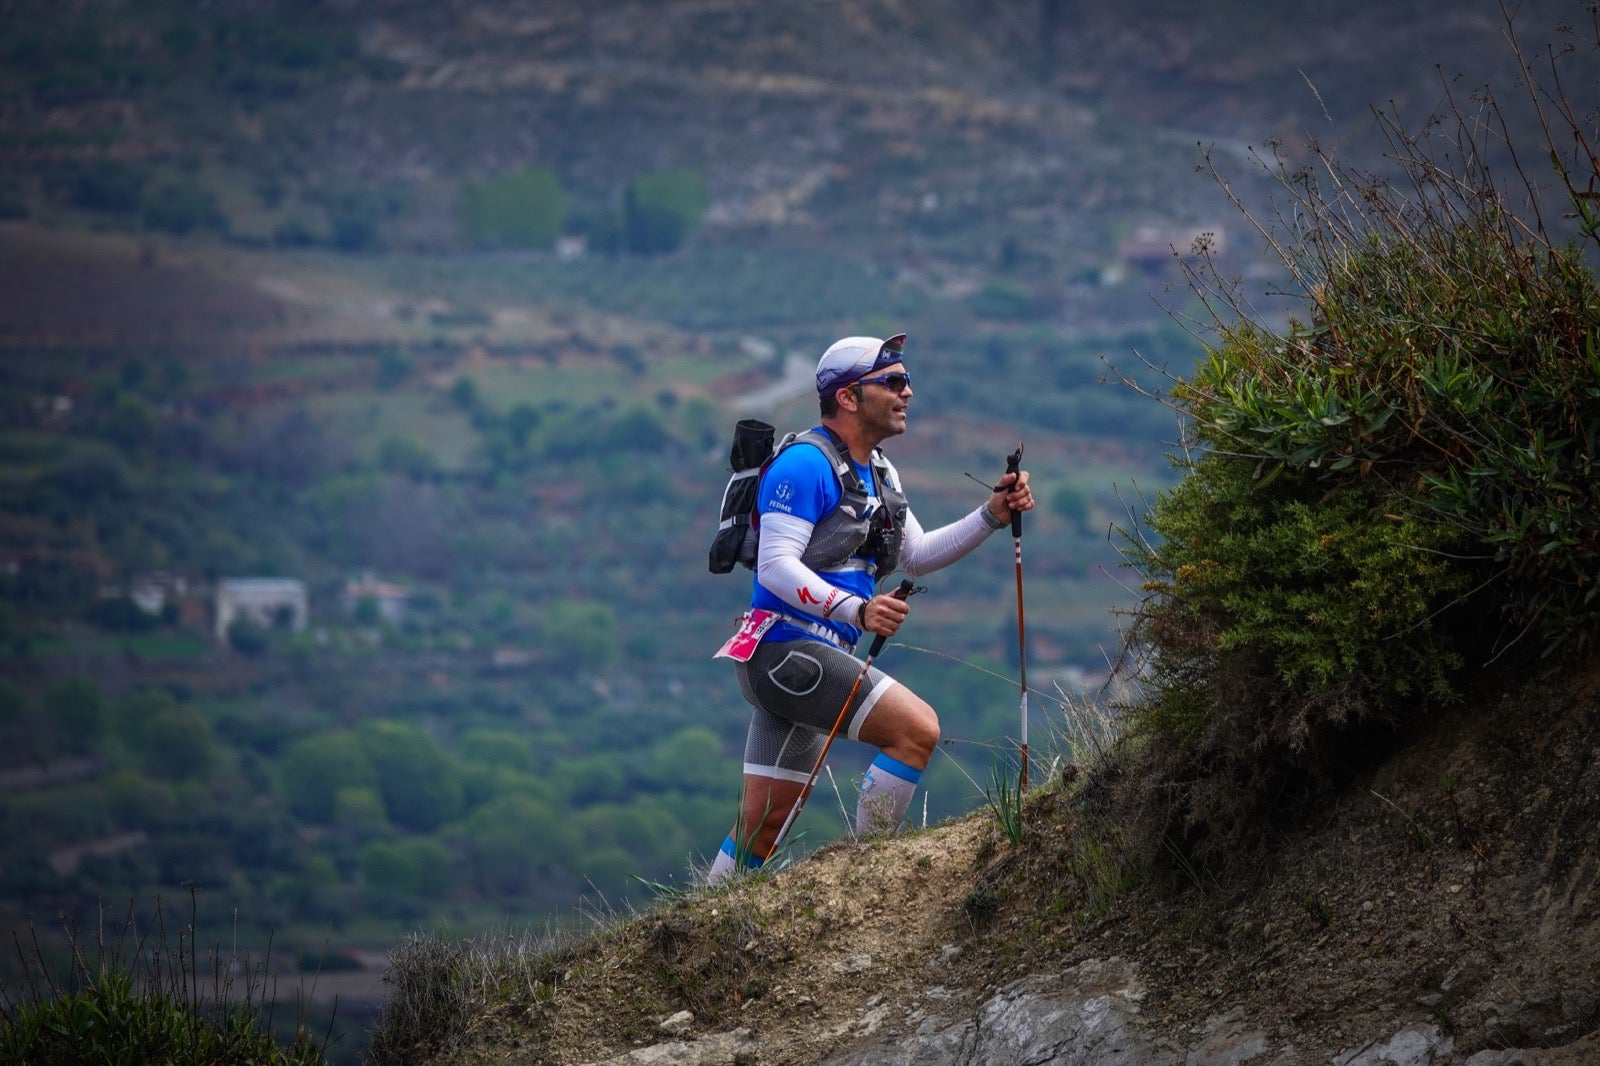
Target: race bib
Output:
[(752, 628)]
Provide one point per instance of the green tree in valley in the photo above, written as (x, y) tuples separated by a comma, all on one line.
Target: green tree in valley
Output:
[(175, 744), (690, 760), (359, 813), (661, 209), (523, 209), (641, 829), (171, 740), (383, 865), (515, 840), (581, 634), (419, 866), (497, 747), (137, 802), (317, 767), (589, 779), (77, 713), (417, 779), (13, 703), (182, 206)]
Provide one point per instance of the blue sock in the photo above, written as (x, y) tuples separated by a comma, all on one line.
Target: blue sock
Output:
[(728, 858)]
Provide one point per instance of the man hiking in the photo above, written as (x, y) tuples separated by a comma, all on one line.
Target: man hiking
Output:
[(833, 522)]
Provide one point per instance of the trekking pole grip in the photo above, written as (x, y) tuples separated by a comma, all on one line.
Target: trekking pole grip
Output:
[(1014, 466), (907, 587)]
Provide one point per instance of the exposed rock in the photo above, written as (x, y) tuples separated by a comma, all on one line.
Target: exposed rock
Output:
[(1089, 1016), (1417, 1046), (1085, 1015), (718, 1049)]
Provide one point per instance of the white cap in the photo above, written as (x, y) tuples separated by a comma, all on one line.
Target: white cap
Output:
[(853, 358)]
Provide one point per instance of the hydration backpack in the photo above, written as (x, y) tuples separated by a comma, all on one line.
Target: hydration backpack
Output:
[(736, 538), (854, 527)]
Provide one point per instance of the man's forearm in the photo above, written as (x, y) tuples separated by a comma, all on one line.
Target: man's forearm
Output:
[(780, 571)]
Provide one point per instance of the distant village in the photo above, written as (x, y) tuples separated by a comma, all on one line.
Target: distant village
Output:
[(280, 603)]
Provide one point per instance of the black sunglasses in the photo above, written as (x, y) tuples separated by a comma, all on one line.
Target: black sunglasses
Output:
[(896, 382)]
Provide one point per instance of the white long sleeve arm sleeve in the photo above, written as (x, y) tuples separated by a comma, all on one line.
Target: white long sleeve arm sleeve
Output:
[(925, 552), (780, 571)]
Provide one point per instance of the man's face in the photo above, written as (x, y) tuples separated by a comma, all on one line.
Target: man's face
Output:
[(880, 406)]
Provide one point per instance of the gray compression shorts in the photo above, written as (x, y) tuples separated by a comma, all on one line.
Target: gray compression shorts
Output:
[(797, 688)]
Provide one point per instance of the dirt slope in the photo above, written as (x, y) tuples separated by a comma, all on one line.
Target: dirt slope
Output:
[(1455, 886)]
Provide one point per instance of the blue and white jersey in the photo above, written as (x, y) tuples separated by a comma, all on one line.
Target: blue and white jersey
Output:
[(800, 487)]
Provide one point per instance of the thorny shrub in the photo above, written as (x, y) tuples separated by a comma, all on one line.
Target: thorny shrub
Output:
[(1402, 485)]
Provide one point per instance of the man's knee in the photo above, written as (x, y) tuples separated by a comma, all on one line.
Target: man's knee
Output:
[(919, 735), (905, 727)]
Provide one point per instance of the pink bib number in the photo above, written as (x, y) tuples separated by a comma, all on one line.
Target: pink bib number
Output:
[(752, 628)]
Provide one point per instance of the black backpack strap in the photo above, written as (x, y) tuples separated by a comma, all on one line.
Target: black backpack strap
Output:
[(839, 454)]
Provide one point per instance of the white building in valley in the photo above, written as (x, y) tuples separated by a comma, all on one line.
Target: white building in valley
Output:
[(269, 602)]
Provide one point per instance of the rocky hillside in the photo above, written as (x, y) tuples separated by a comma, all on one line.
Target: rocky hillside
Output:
[(1445, 912)]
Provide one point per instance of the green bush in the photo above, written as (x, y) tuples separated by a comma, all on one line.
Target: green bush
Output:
[(129, 996), (175, 744), (1005, 301), (105, 185), (419, 782), (1280, 619), (180, 207), (1370, 499), (1452, 368), (137, 802), (359, 813), (247, 637), (317, 767), (113, 1021), (523, 209), (13, 703), (513, 841), (661, 209), (1333, 592), (580, 634), (419, 866)]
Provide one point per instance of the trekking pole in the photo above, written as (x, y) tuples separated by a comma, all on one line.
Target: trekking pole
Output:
[(903, 592), (1014, 466)]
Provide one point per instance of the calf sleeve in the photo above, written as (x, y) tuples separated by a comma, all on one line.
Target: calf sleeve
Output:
[(886, 792)]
